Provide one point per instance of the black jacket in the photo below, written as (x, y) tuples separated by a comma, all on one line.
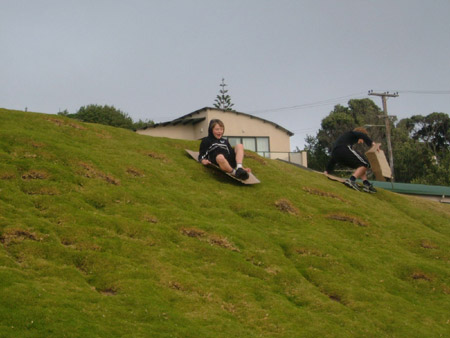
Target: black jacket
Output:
[(340, 153), (350, 138), (211, 145)]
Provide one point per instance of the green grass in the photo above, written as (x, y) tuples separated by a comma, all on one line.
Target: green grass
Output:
[(106, 233)]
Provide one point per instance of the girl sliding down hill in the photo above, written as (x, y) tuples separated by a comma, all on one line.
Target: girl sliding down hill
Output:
[(215, 149)]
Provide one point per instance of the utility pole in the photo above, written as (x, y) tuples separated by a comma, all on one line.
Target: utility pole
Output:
[(388, 126)]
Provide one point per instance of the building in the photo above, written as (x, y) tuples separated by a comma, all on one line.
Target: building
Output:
[(266, 138)]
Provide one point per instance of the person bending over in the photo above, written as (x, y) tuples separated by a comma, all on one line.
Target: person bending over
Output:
[(215, 149), (344, 154)]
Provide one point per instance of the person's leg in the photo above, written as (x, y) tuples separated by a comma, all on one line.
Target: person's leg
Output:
[(360, 172), (239, 150), (223, 163), (241, 172)]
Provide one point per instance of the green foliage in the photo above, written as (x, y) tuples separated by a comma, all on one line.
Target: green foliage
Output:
[(317, 153), (436, 173), (142, 124), (107, 233), (433, 130), (411, 157), (422, 149), (107, 115), (223, 100)]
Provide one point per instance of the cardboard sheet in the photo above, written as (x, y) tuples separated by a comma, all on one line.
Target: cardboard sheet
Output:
[(379, 164)]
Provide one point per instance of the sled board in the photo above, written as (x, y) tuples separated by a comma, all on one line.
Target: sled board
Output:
[(250, 180), (335, 178)]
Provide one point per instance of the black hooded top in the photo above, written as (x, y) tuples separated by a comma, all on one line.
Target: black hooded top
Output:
[(350, 138), (347, 139), (210, 145)]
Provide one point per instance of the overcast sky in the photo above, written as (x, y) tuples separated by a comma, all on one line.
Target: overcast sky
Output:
[(288, 61)]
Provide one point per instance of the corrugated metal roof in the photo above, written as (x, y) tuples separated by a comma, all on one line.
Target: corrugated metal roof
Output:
[(182, 121)]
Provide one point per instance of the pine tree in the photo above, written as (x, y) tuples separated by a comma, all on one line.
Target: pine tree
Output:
[(223, 100)]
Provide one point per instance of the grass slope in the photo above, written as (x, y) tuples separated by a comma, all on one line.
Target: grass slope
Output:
[(106, 233)]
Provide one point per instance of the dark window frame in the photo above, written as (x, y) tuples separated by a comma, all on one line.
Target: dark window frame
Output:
[(264, 153)]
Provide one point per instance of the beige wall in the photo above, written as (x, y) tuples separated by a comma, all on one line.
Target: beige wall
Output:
[(186, 132), (235, 125)]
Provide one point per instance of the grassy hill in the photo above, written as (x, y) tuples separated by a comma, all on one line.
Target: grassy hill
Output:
[(106, 233)]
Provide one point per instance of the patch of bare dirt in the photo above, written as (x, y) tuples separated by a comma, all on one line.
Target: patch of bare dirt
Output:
[(335, 297), (310, 252), (421, 275), (80, 246), (112, 291), (12, 236), (157, 156), (318, 192), (150, 219), (35, 175), (210, 238), (7, 176), (49, 191), (176, 286), (111, 179), (347, 218), (222, 242), (91, 172), (285, 205), (134, 172), (426, 244), (192, 232)]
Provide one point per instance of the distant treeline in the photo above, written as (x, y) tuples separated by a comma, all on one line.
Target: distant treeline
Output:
[(107, 115)]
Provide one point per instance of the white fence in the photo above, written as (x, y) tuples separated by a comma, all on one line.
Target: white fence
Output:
[(297, 157)]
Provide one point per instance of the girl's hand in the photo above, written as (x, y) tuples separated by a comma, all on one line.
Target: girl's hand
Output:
[(205, 162)]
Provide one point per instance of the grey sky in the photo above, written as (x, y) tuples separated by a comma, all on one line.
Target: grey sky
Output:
[(160, 59)]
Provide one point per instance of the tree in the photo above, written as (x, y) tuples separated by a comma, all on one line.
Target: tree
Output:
[(422, 152), (223, 100), (142, 124), (316, 152), (107, 115), (433, 130), (411, 157)]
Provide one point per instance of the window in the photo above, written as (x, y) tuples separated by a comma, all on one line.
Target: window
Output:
[(256, 144)]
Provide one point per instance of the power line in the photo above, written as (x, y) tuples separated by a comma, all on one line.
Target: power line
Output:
[(432, 92), (310, 105), (338, 99)]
